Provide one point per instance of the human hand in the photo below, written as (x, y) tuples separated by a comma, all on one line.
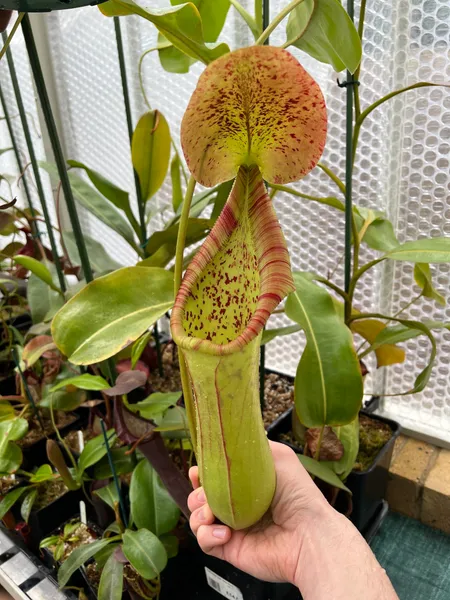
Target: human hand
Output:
[(301, 540)]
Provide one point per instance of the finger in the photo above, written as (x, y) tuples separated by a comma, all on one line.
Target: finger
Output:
[(201, 516), (196, 499), (193, 476), (211, 538)]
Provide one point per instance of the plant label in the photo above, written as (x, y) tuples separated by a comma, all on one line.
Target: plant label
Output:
[(222, 586)]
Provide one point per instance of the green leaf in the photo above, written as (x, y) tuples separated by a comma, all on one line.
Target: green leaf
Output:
[(101, 558), (170, 543), (100, 260), (41, 298), (84, 382), (62, 399), (427, 250), (7, 412), (77, 558), (145, 552), (380, 234), (36, 267), (122, 464), (94, 202), (422, 276), (322, 471), (223, 191), (109, 495), (173, 60), (196, 231), (27, 504), (49, 541), (139, 347), (111, 581), (271, 334), (150, 152), (35, 348), (152, 507), (199, 202), (156, 404), (175, 175), (173, 424), (181, 25), (213, 15), (10, 499), (328, 383), (323, 29), (44, 473), (349, 437), (94, 451), (114, 311), (402, 333), (10, 453)]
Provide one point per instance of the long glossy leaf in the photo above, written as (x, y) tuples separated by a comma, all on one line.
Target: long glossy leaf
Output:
[(42, 298), (86, 381), (38, 268), (323, 29), (156, 404), (322, 471), (145, 552), (77, 558), (94, 202), (175, 175), (35, 348), (427, 250), (27, 504), (181, 25), (122, 464), (100, 260), (213, 15), (139, 347), (109, 494), (111, 312), (10, 499), (152, 507), (422, 276), (94, 451), (328, 384), (150, 151), (271, 334), (10, 453), (172, 59), (401, 333), (227, 124), (196, 231), (111, 581)]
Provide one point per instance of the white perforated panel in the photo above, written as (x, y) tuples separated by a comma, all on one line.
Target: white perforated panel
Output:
[(402, 165)]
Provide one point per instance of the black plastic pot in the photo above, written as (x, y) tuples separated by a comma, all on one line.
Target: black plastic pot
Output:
[(45, 5), (368, 487)]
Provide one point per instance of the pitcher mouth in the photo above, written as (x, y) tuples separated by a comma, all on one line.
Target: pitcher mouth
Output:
[(222, 317)]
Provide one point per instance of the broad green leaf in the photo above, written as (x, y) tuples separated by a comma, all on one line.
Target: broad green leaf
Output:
[(422, 276), (100, 260), (86, 381), (111, 580), (44, 473), (175, 175), (109, 495), (170, 543), (328, 383), (387, 354), (227, 124), (156, 404), (10, 453), (401, 333), (139, 347), (349, 437), (161, 258), (10, 499), (380, 233), (198, 204), (103, 555), (151, 504), (196, 231), (49, 541), (35, 348), (94, 451), (223, 192), (213, 15), (41, 298), (271, 334), (27, 504), (173, 423), (122, 464), (180, 25), (323, 29), (62, 399), (145, 552), (77, 558), (172, 59), (322, 471), (150, 152), (111, 312), (7, 411), (36, 267), (94, 202), (427, 250)]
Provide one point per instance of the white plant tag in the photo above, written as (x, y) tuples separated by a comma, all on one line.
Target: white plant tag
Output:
[(222, 586)]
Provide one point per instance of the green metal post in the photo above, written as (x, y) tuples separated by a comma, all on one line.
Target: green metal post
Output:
[(349, 168), (34, 163), (56, 145)]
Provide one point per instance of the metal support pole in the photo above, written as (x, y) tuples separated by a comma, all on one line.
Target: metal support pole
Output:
[(34, 225), (34, 163), (266, 17), (349, 168), (56, 145)]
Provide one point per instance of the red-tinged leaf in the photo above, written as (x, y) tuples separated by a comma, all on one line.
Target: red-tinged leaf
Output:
[(331, 447), (36, 348), (126, 383), (129, 427), (259, 106)]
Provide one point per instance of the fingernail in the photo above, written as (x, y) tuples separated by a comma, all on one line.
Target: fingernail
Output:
[(219, 533), (201, 497), (201, 515)]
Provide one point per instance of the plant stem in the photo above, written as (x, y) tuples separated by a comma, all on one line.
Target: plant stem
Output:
[(282, 15), (354, 281), (7, 40), (332, 176), (259, 16), (413, 301), (319, 443), (251, 22), (27, 391), (285, 188), (178, 273), (141, 60), (114, 473)]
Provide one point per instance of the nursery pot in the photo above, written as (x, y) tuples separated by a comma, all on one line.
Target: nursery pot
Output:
[(45, 5), (368, 487)]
